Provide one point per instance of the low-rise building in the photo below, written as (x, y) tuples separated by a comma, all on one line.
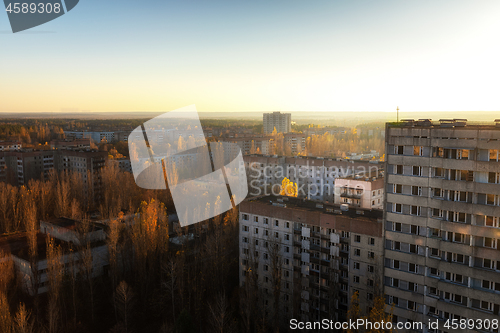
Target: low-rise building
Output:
[(360, 191)]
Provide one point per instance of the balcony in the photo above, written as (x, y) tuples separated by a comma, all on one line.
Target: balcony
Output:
[(352, 195)]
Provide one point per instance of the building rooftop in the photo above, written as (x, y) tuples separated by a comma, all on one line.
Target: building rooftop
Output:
[(314, 213), (317, 206), (445, 123), (17, 245)]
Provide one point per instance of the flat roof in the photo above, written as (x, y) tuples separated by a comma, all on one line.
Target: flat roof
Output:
[(17, 245), (318, 206)]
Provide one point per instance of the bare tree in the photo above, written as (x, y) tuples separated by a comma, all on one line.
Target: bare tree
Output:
[(169, 285), (221, 315), (5, 316), (124, 298), (55, 276), (22, 321)]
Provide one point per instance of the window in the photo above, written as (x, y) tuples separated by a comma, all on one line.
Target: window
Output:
[(371, 241), (357, 238), (356, 265), (245, 217), (415, 210), (414, 229), (434, 252), (417, 170), (357, 252), (371, 254), (245, 240), (490, 242), (287, 225), (287, 237), (398, 188), (433, 272), (395, 264), (266, 220), (463, 154), (398, 169), (438, 172), (418, 151), (398, 150), (412, 268), (416, 190), (256, 219), (277, 223), (356, 279), (371, 269), (397, 226), (494, 154), (437, 213), (256, 231), (434, 232), (397, 208), (370, 282), (245, 228)]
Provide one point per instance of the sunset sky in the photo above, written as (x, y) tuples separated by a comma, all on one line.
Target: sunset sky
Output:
[(254, 55)]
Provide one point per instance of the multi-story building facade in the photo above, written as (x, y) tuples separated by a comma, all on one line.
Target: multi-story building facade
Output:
[(442, 257), (314, 176), (10, 145), (360, 191), (253, 144), (72, 144), (22, 165), (296, 142), (99, 136), (18, 167), (281, 121), (320, 254)]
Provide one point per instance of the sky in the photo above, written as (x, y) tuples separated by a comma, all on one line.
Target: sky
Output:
[(255, 55)]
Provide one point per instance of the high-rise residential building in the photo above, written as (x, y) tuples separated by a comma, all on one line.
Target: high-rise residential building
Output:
[(442, 257), (281, 121), (306, 259)]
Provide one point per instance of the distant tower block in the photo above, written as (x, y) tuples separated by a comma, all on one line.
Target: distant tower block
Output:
[(281, 121)]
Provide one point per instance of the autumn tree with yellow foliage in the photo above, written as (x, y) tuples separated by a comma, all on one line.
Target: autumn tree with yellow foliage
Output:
[(288, 188)]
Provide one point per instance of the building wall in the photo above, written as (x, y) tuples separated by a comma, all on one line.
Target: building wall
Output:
[(360, 192), (315, 177), (442, 222), (281, 121), (325, 256)]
